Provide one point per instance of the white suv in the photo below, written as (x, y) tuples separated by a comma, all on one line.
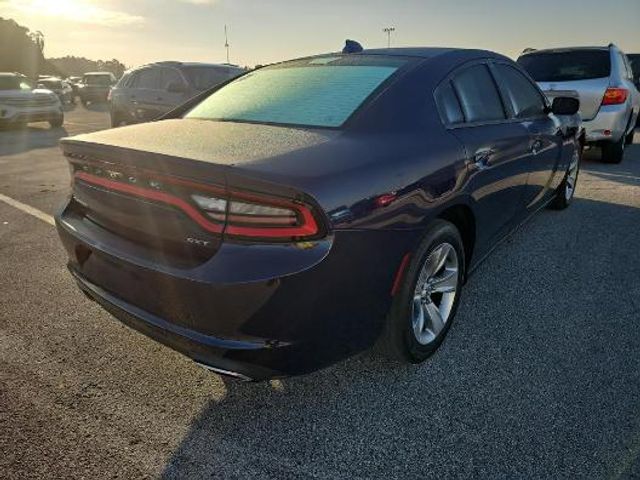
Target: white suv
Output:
[(21, 104), (602, 76)]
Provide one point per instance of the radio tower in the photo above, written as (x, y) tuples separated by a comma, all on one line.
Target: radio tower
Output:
[(226, 42)]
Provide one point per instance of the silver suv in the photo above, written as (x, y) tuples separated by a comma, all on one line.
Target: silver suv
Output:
[(603, 79)]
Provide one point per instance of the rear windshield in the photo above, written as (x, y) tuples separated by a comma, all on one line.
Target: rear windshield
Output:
[(202, 78), (97, 80), (51, 83), (567, 66), (634, 60), (317, 92)]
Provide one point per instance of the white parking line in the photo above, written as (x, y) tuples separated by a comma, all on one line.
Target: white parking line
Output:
[(27, 209)]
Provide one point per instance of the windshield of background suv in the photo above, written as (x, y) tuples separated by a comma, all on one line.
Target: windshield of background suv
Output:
[(14, 83), (202, 78), (51, 84), (317, 92), (567, 65), (101, 80)]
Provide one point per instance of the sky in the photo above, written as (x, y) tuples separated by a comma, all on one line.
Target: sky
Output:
[(264, 31)]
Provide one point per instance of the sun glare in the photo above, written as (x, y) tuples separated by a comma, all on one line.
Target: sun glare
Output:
[(85, 11)]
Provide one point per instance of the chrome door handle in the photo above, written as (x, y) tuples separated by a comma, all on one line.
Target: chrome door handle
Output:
[(536, 146), (482, 157)]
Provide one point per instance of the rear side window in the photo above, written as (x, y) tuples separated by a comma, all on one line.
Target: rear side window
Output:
[(478, 95), (203, 78), (524, 98), (448, 105), (568, 65)]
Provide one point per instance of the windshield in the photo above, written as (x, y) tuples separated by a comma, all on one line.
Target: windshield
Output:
[(202, 78), (320, 92), (567, 66), (101, 80), (14, 83)]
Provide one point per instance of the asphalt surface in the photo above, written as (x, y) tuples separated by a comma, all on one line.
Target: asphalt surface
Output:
[(538, 378)]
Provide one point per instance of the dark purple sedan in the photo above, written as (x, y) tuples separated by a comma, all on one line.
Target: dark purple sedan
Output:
[(304, 211)]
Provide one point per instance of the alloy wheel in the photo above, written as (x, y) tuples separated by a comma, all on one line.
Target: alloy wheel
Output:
[(435, 293)]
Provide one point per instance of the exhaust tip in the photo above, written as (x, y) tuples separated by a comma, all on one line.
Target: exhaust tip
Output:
[(226, 373)]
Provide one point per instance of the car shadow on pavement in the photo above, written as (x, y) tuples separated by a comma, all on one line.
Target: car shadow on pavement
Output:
[(538, 378), (97, 107), (35, 136)]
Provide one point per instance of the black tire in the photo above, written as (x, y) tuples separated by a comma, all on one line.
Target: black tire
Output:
[(85, 102), (564, 194), (613, 152), (629, 138), (116, 120), (398, 340), (57, 122)]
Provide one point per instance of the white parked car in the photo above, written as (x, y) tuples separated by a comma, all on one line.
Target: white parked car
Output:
[(20, 103), (603, 79)]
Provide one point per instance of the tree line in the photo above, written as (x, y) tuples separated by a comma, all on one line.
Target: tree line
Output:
[(22, 50)]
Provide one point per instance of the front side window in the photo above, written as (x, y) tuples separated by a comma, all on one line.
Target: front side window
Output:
[(524, 98), (566, 66), (478, 95), (170, 77), (149, 78), (317, 92)]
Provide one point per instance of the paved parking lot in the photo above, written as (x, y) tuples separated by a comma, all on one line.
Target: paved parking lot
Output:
[(539, 377)]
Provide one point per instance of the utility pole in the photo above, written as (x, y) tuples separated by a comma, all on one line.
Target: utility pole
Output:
[(226, 42), (388, 31)]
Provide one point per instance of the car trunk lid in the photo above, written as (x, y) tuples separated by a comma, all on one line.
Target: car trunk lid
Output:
[(590, 93)]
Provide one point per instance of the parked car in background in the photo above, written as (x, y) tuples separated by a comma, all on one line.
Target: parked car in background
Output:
[(20, 103), (147, 92), (602, 76), (60, 87), (634, 60), (95, 87), (74, 82), (303, 211)]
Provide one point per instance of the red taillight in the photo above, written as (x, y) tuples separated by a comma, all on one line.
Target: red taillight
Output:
[(615, 96), (237, 214)]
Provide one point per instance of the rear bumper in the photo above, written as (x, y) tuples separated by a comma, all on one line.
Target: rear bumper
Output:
[(262, 311), (207, 350), (610, 124)]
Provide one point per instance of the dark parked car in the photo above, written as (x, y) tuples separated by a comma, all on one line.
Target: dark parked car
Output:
[(150, 91), (61, 88), (634, 60), (95, 87), (304, 211)]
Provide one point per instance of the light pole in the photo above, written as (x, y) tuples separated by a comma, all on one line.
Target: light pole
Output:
[(388, 31), (226, 42)]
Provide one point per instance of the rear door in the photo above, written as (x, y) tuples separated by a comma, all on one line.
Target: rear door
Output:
[(496, 148), (527, 107)]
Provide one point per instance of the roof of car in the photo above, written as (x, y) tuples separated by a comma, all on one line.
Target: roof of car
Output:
[(98, 73), (174, 63), (10, 74), (564, 49), (424, 52)]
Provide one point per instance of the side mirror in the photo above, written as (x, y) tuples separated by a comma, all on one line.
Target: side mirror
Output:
[(176, 87), (565, 106)]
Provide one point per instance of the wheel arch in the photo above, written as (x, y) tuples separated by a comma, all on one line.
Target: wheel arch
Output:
[(462, 216)]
